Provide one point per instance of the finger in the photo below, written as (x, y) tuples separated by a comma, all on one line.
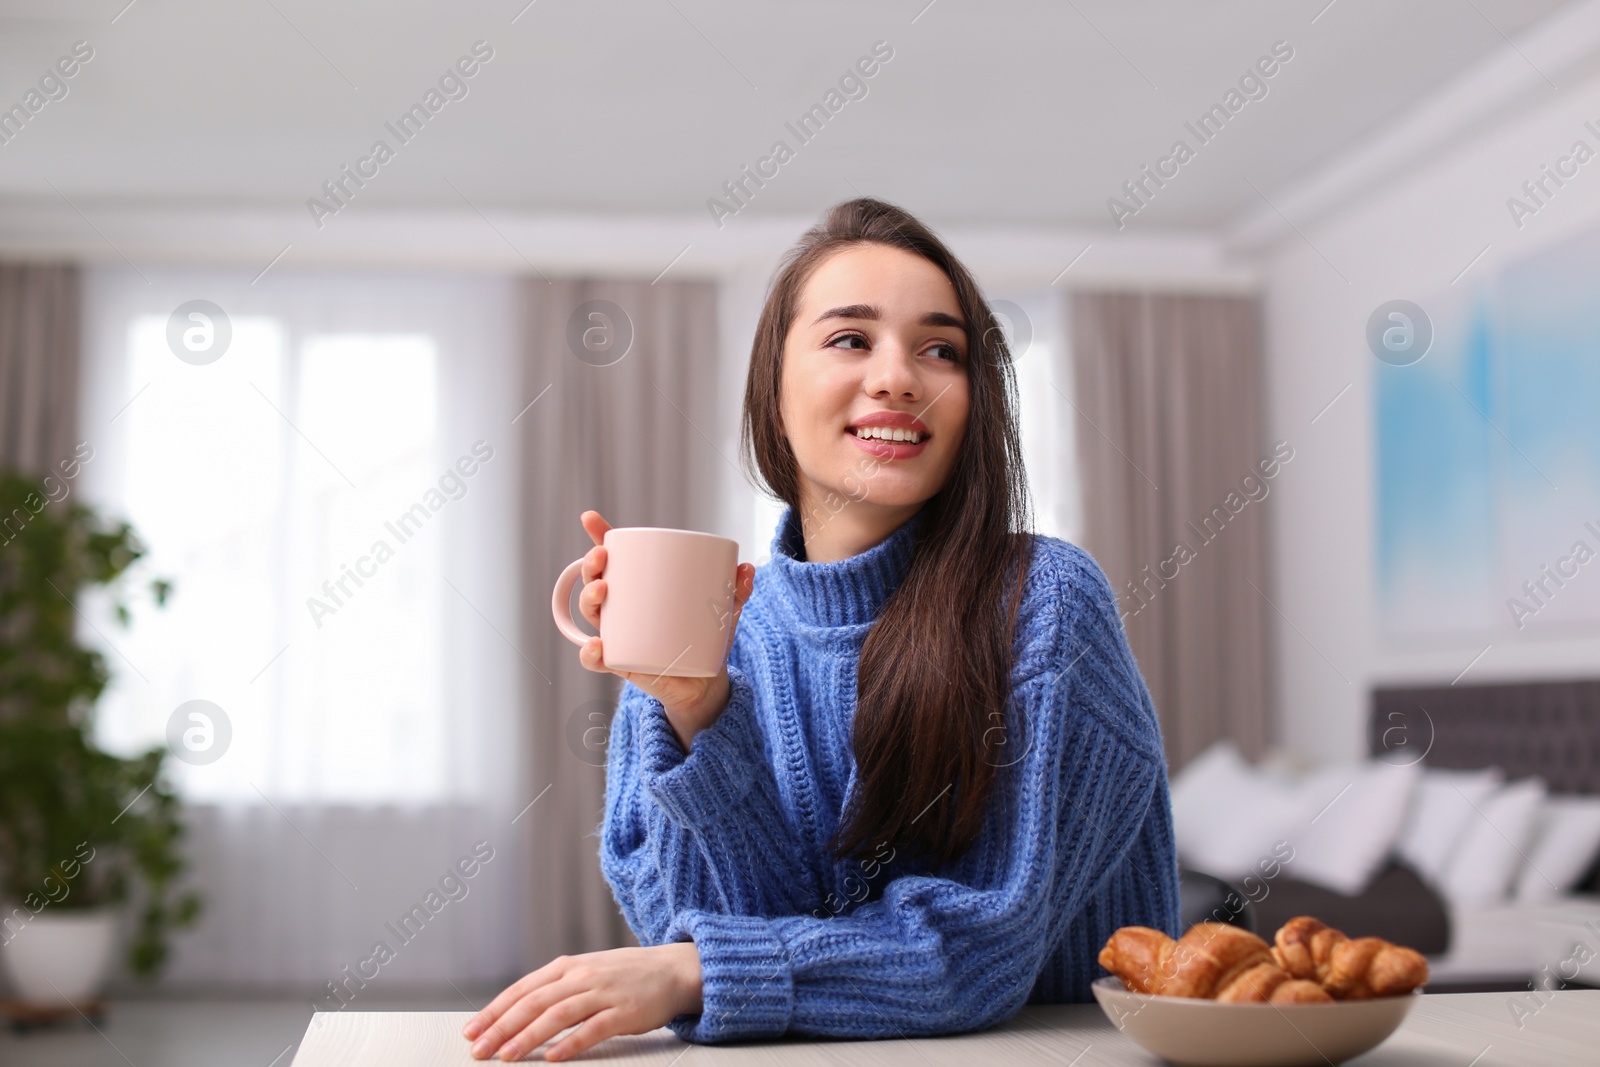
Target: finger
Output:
[(510, 995), (590, 599), (743, 586), (594, 563), (592, 656), (492, 1011), (593, 1030), (518, 1015), (551, 1020), (594, 525)]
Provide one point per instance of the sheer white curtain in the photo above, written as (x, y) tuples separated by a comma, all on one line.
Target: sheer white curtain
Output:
[(333, 498), (1040, 347)]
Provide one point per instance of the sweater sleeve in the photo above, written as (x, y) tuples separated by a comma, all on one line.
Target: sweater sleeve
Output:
[(701, 829), (941, 955)]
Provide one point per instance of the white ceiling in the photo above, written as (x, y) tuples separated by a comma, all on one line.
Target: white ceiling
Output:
[(1012, 113)]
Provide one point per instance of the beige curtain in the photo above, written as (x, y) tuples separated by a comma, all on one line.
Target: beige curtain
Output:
[(632, 440), (39, 360), (1169, 425)]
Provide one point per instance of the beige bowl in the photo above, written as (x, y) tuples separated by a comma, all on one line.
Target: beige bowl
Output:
[(1202, 1033)]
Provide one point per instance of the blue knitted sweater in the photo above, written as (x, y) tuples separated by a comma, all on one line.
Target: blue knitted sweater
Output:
[(725, 845)]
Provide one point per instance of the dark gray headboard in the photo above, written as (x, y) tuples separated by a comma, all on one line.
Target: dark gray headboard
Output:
[(1551, 729)]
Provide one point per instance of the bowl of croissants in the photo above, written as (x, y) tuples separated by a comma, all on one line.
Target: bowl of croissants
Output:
[(1220, 995)]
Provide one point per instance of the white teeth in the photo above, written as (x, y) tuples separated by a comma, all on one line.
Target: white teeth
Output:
[(888, 434)]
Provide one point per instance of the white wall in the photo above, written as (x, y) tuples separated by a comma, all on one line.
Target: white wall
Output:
[(1408, 237)]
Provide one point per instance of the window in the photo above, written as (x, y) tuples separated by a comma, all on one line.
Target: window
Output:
[(301, 494), (1045, 389)]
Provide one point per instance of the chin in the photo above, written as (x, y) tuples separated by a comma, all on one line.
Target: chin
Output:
[(887, 496), (889, 484)]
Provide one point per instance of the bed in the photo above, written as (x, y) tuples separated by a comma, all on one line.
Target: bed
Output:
[(1545, 728)]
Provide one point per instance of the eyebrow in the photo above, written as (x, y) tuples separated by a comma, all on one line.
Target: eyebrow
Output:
[(869, 311)]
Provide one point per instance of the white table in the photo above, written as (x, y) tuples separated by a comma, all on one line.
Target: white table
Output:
[(1444, 1030)]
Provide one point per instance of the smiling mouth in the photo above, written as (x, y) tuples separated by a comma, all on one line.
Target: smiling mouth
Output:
[(888, 434)]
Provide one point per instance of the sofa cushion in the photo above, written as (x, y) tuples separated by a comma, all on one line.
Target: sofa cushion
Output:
[(1398, 906)]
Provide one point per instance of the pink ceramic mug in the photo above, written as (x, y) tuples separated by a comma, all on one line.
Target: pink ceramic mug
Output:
[(669, 601)]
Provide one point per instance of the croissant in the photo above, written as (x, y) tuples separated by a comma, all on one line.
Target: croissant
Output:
[(1212, 960), (1350, 969)]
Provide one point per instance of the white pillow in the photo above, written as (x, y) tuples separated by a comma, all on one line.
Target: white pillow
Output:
[(1227, 815), (1565, 841), (1485, 860), (1441, 807), (1350, 817)]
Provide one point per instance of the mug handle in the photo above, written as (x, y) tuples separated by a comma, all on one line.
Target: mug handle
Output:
[(560, 604)]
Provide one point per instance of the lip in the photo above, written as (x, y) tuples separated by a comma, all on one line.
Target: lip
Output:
[(888, 449), (900, 420)]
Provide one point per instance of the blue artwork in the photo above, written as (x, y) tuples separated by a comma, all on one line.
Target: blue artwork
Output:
[(1488, 457)]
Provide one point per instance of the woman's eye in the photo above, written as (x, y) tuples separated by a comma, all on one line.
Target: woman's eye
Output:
[(941, 351)]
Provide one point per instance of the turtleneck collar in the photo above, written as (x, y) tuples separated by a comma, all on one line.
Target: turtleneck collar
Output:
[(847, 592)]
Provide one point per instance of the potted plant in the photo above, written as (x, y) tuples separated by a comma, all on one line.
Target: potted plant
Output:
[(83, 832)]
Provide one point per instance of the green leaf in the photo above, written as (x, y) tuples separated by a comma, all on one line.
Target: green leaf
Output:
[(78, 826)]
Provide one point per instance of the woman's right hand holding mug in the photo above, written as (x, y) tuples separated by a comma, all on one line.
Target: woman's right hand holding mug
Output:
[(691, 704)]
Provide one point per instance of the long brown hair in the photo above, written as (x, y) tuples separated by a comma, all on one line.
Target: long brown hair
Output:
[(933, 674)]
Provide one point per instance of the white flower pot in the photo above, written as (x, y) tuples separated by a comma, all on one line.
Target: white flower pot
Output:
[(60, 956)]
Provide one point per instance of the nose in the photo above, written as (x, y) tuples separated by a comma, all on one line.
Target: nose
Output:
[(892, 372)]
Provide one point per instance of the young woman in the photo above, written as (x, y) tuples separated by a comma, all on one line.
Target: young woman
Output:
[(929, 783)]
